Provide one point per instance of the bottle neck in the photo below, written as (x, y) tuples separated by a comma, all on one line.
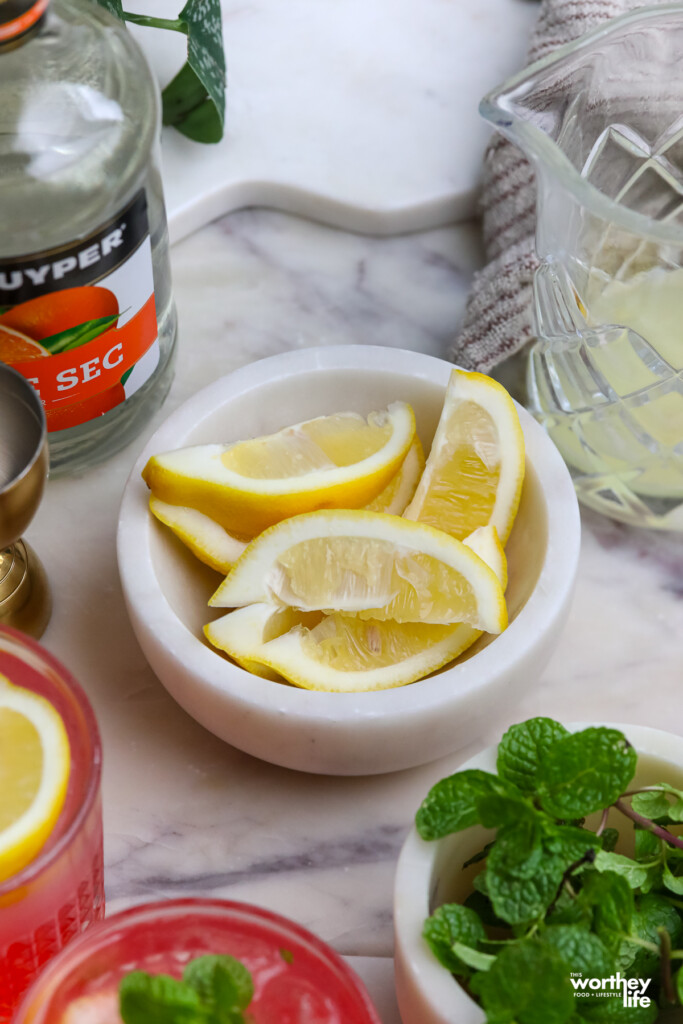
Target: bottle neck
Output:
[(17, 17)]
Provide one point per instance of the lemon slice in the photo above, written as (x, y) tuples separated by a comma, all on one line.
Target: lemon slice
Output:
[(368, 564), (399, 492), (203, 536), (35, 763), (475, 469), (243, 632), (341, 654), (339, 461)]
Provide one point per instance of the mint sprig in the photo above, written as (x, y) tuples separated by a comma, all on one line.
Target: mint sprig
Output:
[(214, 990), (194, 101), (554, 900)]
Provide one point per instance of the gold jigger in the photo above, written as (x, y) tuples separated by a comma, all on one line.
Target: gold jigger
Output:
[(25, 601)]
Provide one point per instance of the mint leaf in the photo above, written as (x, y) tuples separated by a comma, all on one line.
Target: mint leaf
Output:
[(582, 952), (453, 924), (495, 810), (648, 845), (610, 838), (481, 855), (521, 749), (652, 805), (451, 805), (585, 772), (221, 981), (613, 1011), (528, 983), (158, 999), (473, 957), (634, 873), (526, 866), (652, 913), (610, 899), (671, 881)]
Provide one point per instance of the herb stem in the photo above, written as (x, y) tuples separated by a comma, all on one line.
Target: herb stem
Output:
[(172, 24), (603, 822), (645, 823), (667, 984)]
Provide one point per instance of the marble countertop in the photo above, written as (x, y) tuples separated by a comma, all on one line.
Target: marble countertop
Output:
[(185, 814)]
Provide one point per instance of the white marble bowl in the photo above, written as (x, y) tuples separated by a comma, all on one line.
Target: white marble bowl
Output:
[(429, 874), (167, 589)]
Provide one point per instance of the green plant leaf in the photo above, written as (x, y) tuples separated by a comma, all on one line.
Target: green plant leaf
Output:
[(585, 772), (495, 810), (648, 845), (221, 981), (194, 101), (634, 873), (451, 805), (581, 951), (158, 999), (652, 913), (613, 1011), (609, 897), (521, 749), (528, 983), (610, 838), (526, 866), (671, 881), (474, 958), (652, 805), (453, 924)]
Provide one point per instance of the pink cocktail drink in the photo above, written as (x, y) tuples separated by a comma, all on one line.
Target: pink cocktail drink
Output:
[(60, 892), (297, 978)]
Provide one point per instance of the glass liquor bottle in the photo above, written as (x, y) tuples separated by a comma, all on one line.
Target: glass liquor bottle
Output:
[(86, 310)]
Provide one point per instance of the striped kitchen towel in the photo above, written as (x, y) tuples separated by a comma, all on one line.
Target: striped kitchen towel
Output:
[(498, 314)]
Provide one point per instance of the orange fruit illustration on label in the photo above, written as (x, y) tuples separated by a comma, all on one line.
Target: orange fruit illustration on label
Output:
[(15, 347), (51, 314)]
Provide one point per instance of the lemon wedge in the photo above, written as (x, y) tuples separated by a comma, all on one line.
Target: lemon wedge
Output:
[(400, 490), (475, 469), (35, 762), (243, 632), (339, 461), (368, 564), (342, 654), (203, 536), (351, 655)]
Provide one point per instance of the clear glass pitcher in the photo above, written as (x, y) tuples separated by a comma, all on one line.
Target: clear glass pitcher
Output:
[(602, 119)]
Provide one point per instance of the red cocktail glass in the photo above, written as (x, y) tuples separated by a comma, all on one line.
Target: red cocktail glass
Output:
[(60, 892), (297, 978)]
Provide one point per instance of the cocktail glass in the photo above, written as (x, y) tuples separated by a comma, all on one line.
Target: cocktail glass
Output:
[(60, 892), (296, 976)]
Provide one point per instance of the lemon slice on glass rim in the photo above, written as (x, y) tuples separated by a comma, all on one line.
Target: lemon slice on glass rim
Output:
[(35, 763), (338, 461)]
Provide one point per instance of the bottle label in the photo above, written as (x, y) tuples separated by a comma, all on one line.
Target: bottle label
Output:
[(79, 322)]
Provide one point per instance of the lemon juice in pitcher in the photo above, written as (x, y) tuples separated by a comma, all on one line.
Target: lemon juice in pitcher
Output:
[(605, 373)]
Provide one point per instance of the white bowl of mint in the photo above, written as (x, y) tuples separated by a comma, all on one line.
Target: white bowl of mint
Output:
[(543, 883)]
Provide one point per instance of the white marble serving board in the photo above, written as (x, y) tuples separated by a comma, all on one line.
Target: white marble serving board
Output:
[(359, 113)]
